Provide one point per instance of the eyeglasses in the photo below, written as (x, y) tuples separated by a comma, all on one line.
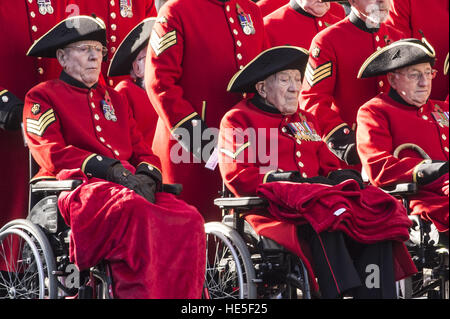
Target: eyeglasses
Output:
[(85, 48), (416, 76)]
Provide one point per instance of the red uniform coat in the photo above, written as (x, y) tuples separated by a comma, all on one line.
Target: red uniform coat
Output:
[(117, 25), (246, 140), (247, 159), (195, 49), (79, 132), (383, 125), (268, 6), (432, 19), (283, 25), (143, 111), (22, 24), (331, 90)]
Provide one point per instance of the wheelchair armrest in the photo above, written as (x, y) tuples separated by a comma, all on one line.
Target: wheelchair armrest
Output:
[(174, 189), (55, 185), (240, 202), (402, 189)]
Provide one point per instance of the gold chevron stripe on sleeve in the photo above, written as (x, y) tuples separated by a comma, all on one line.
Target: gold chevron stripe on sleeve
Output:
[(161, 44), (315, 75), (39, 126), (235, 155)]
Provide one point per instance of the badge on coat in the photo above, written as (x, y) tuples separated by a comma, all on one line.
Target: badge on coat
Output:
[(126, 8), (303, 130), (245, 21), (108, 109), (45, 6), (36, 109), (440, 116)]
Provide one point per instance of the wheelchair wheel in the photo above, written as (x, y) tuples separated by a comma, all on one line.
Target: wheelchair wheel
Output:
[(229, 268), (27, 262)]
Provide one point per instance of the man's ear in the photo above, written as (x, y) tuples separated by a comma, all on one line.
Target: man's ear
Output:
[(261, 89), (61, 57), (391, 79)]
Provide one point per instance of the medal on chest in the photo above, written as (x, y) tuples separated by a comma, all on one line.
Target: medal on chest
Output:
[(126, 8), (45, 6), (303, 130), (108, 109), (245, 21), (440, 116)]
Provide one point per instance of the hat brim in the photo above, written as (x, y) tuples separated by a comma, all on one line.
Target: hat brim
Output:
[(397, 55), (268, 62), (129, 48), (70, 30)]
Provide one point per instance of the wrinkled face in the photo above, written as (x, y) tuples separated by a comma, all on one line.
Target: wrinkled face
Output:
[(373, 12), (281, 90), (413, 83), (82, 60), (139, 63), (314, 7)]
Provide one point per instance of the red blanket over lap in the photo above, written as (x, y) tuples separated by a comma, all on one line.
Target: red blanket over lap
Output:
[(154, 250), (370, 216)]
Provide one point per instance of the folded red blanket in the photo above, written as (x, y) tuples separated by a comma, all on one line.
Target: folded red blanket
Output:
[(367, 215)]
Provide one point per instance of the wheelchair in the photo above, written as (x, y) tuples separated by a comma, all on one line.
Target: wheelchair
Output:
[(429, 251), (244, 265), (34, 252)]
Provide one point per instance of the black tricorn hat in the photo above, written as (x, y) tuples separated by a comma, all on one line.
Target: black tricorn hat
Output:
[(399, 54), (130, 47), (268, 62), (70, 30)]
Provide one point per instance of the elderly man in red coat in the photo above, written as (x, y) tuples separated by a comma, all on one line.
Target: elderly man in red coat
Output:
[(402, 135), (195, 48), (79, 128), (309, 16), (129, 59), (331, 91), (429, 19), (270, 148)]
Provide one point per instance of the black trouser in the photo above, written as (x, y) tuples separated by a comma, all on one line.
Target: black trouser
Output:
[(343, 266)]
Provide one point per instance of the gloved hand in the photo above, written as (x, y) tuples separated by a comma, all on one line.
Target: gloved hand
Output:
[(430, 171), (120, 175), (147, 187), (343, 144), (344, 174), (11, 109)]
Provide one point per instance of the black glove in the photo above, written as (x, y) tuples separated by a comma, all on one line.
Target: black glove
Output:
[(343, 144), (148, 187), (11, 109), (294, 176), (345, 174), (120, 175), (430, 171)]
